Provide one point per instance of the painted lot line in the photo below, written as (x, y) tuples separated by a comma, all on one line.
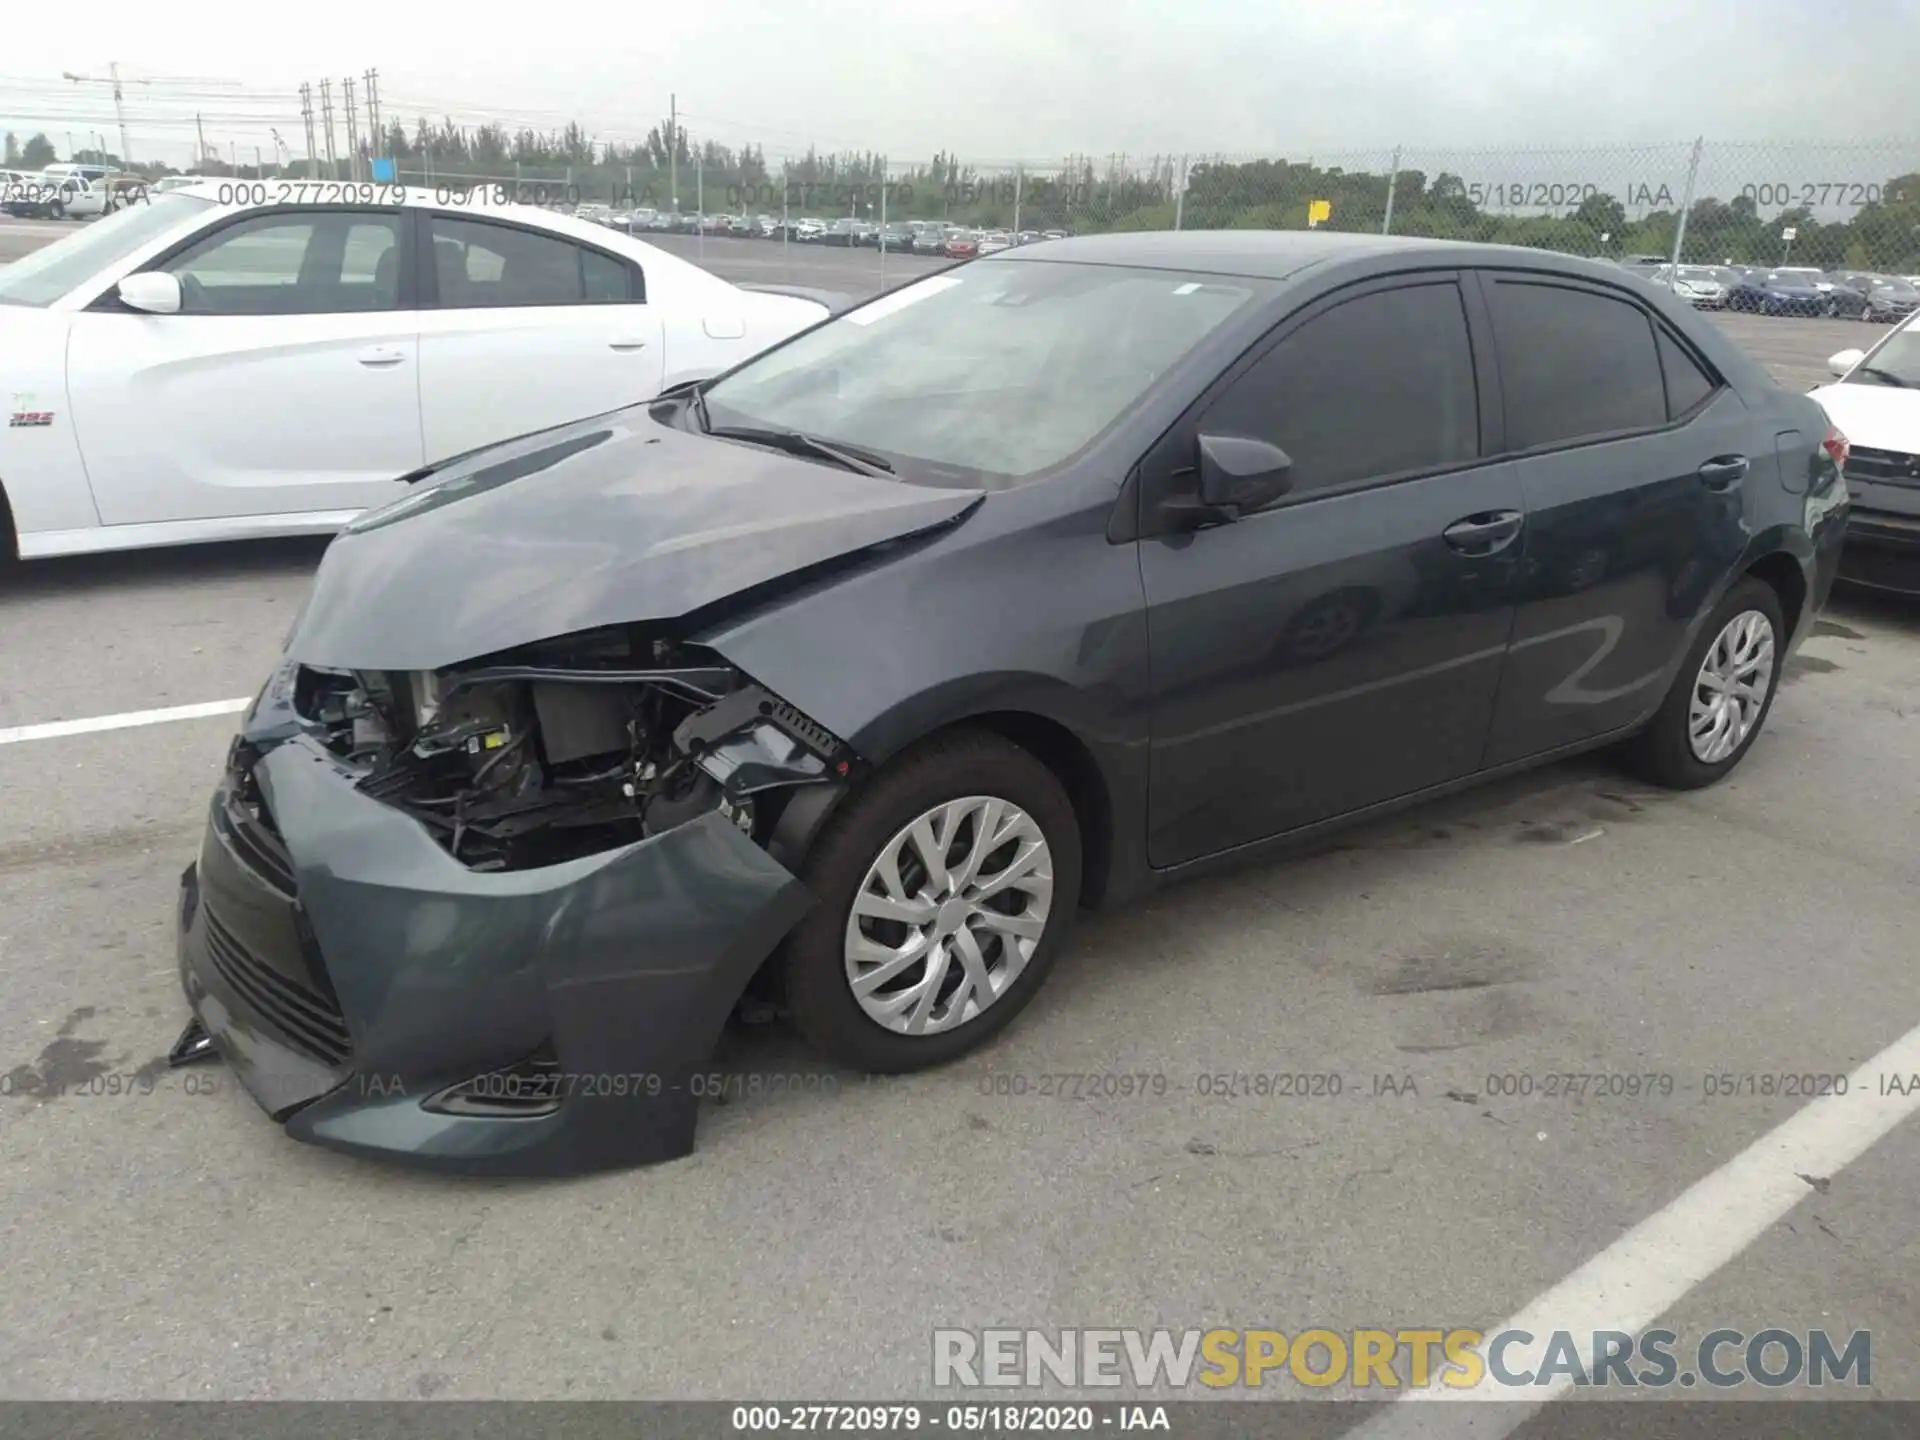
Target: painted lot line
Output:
[(56, 729), (1642, 1275)]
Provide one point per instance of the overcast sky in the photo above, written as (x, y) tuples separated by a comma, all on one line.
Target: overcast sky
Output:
[(996, 79)]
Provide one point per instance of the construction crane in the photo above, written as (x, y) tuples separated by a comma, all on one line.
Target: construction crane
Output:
[(117, 81)]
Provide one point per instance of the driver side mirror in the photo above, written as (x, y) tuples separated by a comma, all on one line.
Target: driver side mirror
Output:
[(1840, 362), (1239, 474), (155, 292)]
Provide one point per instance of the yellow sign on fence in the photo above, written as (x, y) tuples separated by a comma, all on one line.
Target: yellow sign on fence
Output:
[(1318, 210)]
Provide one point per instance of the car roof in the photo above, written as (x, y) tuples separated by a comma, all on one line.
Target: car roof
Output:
[(1277, 254)]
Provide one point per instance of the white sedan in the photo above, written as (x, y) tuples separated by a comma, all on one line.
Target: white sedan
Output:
[(245, 359), (1875, 403)]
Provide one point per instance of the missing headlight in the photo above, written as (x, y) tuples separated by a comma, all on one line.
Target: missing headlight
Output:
[(519, 765)]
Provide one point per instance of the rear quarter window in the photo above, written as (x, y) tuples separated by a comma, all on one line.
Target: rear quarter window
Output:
[(1575, 364)]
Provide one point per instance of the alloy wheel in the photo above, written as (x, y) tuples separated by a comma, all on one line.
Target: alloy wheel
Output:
[(948, 915), (1731, 689)]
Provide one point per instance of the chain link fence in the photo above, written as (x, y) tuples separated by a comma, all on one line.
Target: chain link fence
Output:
[(1835, 207)]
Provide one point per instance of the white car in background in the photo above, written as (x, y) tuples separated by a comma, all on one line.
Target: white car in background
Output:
[(1876, 405), (56, 195), (194, 369)]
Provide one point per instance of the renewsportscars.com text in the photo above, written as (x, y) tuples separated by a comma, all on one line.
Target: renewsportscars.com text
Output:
[(1383, 1359)]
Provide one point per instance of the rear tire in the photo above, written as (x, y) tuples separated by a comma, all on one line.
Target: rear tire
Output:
[(868, 845), (1716, 708)]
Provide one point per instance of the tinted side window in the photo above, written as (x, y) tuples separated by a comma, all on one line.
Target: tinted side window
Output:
[(1687, 384), (1574, 364), (482, 265), (305, 263), (1377, 386)]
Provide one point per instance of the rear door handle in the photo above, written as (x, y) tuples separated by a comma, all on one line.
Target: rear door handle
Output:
[(1486, 533), (623, 342), (382, 355), (1723, 472)]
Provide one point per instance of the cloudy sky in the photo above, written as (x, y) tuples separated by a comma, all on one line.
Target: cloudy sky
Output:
[(996, 79)]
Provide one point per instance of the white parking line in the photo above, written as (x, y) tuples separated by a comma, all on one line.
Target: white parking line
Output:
[(55, 729), (1641, 1276)]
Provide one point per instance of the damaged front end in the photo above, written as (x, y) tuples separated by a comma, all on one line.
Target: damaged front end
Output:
[(568, 749), (492, 918)]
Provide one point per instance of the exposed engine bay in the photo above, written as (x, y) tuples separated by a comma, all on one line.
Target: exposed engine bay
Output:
[(570, 747)]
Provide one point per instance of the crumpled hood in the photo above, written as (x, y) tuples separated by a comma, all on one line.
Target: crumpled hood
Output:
[(606, 521)]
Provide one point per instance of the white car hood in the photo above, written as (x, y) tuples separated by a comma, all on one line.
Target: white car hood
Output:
[(1880, 417)]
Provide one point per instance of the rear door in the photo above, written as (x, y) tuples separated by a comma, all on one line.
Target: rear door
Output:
[(1341, 647), (287, 383), (526, 329), (1631, 452)]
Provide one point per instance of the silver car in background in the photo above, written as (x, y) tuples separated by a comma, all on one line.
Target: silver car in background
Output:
[(1702, 286)]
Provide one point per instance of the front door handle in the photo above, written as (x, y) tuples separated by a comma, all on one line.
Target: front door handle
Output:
[(382, 355), (626, 343), (1723, 472), (1486, 533)]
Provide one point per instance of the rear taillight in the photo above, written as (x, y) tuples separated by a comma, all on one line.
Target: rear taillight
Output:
[(1837, 446)]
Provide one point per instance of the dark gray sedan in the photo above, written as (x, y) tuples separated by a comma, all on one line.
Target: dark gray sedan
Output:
[(839, 685)]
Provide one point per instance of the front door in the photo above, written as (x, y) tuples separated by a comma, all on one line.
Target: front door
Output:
[(287, 383), (1342, 647)]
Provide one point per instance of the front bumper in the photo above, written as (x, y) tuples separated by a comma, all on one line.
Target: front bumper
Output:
[(352, 972), (1882, 552)]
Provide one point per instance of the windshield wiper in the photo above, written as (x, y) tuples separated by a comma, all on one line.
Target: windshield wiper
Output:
[(862, 462), (1885, 376)]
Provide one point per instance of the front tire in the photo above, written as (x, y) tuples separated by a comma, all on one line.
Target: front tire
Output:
[(1721, 697), (947, 888)]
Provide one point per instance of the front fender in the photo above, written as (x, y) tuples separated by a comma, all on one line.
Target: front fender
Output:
[(1044, 622)]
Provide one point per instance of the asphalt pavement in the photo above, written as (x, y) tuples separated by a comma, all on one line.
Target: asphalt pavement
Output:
[(164, 1240)]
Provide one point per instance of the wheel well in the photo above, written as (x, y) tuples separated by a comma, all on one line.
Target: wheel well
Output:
[(1782, 572), (9, 539), (1062, 752)]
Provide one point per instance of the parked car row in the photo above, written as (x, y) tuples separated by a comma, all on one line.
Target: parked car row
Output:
[(1786, 289), (919, 237)]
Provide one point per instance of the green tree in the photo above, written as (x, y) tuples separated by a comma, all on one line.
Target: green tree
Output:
[(38, 153)]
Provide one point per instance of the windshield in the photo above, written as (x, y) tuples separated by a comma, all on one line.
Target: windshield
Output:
[(1894, 287), (1895, 363), (53, 270), (1698, 274), (985, 377)]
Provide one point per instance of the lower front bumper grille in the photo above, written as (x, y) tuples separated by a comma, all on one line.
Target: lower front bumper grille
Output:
[(307, 1020), (1883, 467)]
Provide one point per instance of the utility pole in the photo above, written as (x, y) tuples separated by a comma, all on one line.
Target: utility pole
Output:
[(353, 132), (200, 130), (376, 137), (1393, 177), (1686, 204), (326, 125), (306, 119), (673, 151)]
